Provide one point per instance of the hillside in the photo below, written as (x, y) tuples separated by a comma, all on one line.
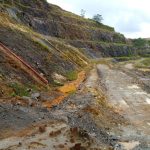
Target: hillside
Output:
[(67, 82), (54, 41), (51, 20)]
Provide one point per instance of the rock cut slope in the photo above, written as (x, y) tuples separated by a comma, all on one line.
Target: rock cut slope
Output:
[(51, 20), (46, 56), (54, 41)]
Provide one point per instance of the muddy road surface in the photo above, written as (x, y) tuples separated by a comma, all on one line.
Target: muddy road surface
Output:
[(124, 94)]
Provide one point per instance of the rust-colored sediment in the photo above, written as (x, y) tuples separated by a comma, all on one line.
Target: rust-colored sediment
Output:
[(65, 90), (72, 86), (54, 102)]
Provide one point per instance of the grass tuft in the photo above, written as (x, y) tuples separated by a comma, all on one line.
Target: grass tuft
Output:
[(144, 63), (71, 75), (126, 58), (18, 90)]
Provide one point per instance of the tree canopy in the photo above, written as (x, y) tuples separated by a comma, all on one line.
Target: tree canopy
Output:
[(98, 18)]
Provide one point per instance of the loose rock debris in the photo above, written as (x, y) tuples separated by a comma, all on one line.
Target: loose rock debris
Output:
[(83, 121)]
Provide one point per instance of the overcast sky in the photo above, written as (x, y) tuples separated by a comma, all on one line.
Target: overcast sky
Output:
[(130, 17)]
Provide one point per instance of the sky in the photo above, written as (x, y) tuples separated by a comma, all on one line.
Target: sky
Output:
[(130, 17)]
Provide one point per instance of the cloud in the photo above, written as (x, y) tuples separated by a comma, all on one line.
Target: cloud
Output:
[(130, 17)]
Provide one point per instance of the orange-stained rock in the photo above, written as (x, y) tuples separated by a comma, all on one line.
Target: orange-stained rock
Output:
[(72, 86), (65, 90), (56, 101)]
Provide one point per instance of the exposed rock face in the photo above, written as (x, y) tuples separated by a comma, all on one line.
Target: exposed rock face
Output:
[(68, 28), (45, 60), (98, 49), (71, 31), (51, 20)]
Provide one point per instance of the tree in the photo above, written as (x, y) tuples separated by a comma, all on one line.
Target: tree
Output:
[(139, 42), (83, 13), (98, 18)]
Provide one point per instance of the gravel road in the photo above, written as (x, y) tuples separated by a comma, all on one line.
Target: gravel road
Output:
[(132, 101)]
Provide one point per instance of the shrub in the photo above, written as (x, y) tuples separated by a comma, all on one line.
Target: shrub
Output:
[(146, 62), (71, 75), (19, 90), (139, 42), (98, 18), (83, 13), (125, 58)]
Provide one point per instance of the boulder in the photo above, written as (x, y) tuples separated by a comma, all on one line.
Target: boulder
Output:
[(35, 96)]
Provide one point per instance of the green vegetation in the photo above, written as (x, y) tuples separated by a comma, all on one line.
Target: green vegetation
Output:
[(72, 92), (145, 55), (125, 58), (71, 75), (142, 46), (98, 18), (58, 83), (19, 90), (140, 42), (41, 45), (144, 63)]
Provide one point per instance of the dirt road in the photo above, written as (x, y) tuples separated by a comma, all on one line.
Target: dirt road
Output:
[(132, 101)]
